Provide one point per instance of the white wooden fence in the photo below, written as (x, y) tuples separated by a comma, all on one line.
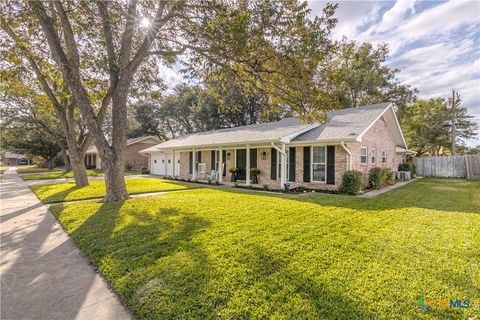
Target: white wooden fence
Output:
[(449, 167)]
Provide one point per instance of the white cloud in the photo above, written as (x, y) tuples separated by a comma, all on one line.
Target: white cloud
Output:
[(395, 15)]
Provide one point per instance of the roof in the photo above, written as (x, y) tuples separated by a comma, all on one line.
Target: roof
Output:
[(342, 125), (93, 148)]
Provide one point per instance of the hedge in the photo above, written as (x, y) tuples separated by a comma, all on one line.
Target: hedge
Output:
[(380, 177), (351, 182)]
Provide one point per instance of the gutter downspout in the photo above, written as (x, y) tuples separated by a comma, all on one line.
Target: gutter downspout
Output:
[(283, 164), (349, 163)]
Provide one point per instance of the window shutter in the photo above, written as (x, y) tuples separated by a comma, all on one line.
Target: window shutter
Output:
[(273, 171), (213, 160), (306, 164), (190, 162), (224, 159), (291, 167), (330, 164), (253, 158)]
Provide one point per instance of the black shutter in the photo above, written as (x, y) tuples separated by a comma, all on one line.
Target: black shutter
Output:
[(224, 159), (253, 158), (199, 160), (190, 162), (306, 164), (273, 171), (213, 160), (330, 164), (291, 166)]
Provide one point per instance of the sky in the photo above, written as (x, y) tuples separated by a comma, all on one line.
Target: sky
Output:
[(435, 44)]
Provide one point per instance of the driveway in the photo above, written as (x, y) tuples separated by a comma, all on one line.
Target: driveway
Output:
[(43, 274)]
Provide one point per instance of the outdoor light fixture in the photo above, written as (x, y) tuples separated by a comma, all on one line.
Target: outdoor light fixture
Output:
[(264, 155), (228, 156)]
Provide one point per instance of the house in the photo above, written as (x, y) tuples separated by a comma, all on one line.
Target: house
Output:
[(313, 156), (14, 159), (133, 159)]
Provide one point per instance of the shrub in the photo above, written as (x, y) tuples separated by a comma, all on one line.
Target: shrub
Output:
[(145, 170), (255, 171), (380, 177), (39, 161), (233, 170), (58, 161), (351, 182), (408, 166), (128, 166)]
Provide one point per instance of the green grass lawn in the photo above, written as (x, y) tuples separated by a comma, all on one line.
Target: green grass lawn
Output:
[(222, 253), (67, 191), (56, 174), (23, 170)]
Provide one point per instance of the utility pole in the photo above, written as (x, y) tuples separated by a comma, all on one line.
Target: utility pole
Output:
[(454, 120)]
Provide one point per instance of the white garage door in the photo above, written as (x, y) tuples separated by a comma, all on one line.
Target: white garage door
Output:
[(158, 164)]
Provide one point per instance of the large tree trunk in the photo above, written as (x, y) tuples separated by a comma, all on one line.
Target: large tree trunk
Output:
[(114, 180), (78, 168), (66, 160)]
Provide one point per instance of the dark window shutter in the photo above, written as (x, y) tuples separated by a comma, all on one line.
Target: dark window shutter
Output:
[(213, 160), (190, 162), (273, 171), (330, 164), (253, 158), (291, 166), (306, 164), (224, 159), (199, 159)]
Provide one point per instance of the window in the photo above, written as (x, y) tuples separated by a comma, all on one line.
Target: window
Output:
[(279, 164), (363, 155), (384, 157), (318, 164), (374, 156)]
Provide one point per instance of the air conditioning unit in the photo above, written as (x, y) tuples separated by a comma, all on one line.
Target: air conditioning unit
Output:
[(403, 175)]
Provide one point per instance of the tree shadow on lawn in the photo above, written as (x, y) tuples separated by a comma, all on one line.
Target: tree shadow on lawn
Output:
[(163, 270), (436, 194)]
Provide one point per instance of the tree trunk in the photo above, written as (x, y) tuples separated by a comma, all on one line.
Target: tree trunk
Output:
[(78, 168), (50, 164), (66, 160), (114, 180)]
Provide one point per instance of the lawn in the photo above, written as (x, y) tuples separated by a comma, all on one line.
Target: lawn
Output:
[(62, 174), (23, 170), (67, 191), (222, 253)]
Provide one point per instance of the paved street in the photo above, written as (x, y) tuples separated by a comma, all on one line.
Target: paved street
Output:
[(43, 274)]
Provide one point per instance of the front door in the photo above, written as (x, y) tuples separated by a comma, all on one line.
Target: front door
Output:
[(242, 163)]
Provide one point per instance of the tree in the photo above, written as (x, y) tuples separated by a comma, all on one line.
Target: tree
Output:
[(357, 75), (426, 125), (274, 44), (20, 85), (460, 123)]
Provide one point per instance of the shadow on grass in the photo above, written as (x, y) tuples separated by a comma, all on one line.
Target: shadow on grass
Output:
[(159, 265), (436, 194)]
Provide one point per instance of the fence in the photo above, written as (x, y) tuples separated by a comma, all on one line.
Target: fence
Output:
[(449, 167)]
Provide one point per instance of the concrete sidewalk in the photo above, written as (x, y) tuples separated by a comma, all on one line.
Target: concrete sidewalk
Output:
[(43, 273)]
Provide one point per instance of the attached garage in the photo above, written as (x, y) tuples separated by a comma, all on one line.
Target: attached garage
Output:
[(164, 164)]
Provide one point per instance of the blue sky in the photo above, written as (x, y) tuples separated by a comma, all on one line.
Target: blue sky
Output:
[(435, 44)]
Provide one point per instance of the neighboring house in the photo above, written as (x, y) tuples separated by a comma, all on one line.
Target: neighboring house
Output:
[(288, 151), (14, 159), (133, 158)]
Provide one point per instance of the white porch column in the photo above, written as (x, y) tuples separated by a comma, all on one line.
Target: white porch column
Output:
[(247, 169), (194, 162), (220, 165), (283, 166), (166, 165), (173, 166)]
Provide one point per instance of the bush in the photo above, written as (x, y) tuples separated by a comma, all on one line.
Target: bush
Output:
[(128, 166), (351, 182), (408, 166), (380, 177), (145, 170), (39, 161), (58, 161)]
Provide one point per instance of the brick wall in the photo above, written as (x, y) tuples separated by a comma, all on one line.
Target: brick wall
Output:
[(133, 156), (377, 137)]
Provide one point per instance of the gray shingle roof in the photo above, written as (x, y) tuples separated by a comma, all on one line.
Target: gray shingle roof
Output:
[(93, 148), (345, 124)]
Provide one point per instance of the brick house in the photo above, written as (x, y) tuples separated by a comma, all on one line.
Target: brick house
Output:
[(314, 156), (133, 158)]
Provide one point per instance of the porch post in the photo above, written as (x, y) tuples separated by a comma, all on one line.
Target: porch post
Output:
[(173, 163), (283, 166), (220, 165), (194, 164), (166, 166), (247, 169)]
